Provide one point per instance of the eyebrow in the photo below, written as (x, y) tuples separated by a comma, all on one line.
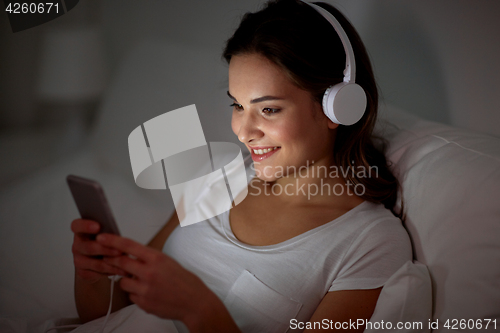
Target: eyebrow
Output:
[(260, 99)]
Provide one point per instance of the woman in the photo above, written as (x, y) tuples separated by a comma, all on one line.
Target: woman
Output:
[(311, 242)]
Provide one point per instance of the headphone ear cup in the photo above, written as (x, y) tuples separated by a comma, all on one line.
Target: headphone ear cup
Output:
[(344, 103)]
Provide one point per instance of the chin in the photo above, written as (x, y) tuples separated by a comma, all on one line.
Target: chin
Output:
[(267, 179), (265, 172)]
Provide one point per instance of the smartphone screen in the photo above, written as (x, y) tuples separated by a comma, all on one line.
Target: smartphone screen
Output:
[(91, 203)]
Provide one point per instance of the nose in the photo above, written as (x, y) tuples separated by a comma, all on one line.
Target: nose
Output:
[(248, 128)]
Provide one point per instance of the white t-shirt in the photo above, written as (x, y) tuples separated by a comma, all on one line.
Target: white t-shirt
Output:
[(264, 287)]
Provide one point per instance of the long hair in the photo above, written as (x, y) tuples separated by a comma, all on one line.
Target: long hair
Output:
[(307, 48)]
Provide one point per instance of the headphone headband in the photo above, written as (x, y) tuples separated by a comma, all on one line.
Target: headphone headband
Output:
[(350, 63), (343, 103)]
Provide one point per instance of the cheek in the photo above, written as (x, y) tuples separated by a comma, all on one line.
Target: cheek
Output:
[(288, 132)]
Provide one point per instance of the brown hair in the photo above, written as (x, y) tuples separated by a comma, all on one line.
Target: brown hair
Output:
[(299, 40)]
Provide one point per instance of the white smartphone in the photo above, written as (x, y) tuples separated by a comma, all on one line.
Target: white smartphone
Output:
[(91, 203)]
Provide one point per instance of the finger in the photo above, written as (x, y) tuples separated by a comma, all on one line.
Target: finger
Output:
[(96, 265), (90, 275), (93, 248), (128, 246), (127, 264), (132, 286), (85, 226)]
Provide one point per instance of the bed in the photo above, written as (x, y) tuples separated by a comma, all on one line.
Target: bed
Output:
[(450, 179)]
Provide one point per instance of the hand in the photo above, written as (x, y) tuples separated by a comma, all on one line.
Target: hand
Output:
[(88, 254), (161, 286), (155, 282)]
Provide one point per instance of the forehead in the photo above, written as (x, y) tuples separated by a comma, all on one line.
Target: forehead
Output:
[(256, 72)]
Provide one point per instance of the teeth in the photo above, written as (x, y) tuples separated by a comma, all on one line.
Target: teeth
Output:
[(263, 151)]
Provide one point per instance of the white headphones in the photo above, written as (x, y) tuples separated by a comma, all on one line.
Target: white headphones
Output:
[(344, 103)]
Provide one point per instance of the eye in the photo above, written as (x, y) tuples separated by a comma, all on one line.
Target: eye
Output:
[(270, 110), (236, 106)]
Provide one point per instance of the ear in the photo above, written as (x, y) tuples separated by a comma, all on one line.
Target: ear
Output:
[(324, 117), (331, 124)]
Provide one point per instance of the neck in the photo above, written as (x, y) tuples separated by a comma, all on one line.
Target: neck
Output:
[(313, 183)]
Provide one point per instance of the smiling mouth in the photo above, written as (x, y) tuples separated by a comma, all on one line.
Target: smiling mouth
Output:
[(263, 151), (261, 154)]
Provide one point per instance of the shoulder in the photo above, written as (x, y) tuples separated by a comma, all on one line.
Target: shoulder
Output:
[(379, 228), (371, 220), (379, 246)]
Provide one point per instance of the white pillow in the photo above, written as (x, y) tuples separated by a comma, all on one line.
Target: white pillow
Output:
[(451, 188), (405, 302)]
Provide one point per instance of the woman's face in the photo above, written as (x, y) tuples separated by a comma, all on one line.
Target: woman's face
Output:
[(281, 124)]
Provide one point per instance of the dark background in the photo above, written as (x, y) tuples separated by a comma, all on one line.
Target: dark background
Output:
[(436, 59)]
